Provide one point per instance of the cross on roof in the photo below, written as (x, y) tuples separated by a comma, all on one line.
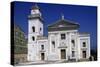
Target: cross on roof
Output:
[(62, 16)]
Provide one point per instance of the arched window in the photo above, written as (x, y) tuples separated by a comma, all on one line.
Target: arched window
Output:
[(53, 43), (33, 38), (33, 28), (40, 28), (73, 43), (53, 46)]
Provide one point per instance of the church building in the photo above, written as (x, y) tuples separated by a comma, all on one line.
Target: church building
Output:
[(63, 43)]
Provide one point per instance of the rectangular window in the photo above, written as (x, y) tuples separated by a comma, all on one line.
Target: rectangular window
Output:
[(63, 36), (42, 47), (33, 28), (84, 44), (73, 53)]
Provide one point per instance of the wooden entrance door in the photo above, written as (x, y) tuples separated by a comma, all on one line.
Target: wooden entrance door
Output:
[(63, 54), (42, 56), (84, 54)]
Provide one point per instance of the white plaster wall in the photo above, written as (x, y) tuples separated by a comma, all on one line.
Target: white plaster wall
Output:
[(56, 35), (37, 23), (32, 48), (87, 48), (40, 26), (52, 53), (31, 52), (45, 43), (73, 48), (78, 48)]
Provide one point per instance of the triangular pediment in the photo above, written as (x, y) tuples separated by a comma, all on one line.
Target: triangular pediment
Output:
[(63, 25)]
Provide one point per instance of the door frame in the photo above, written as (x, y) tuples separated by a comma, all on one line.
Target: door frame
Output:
[(42, 56), (64, 55)]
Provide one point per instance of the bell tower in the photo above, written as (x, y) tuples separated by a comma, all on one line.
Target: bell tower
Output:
[(35, 23), (35, 28)]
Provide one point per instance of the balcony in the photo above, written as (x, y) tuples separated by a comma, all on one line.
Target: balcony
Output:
[(34, 16)]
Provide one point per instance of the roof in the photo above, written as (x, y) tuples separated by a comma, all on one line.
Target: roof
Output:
[(35, 7), (63, 24), (35, 16), (84, 34)]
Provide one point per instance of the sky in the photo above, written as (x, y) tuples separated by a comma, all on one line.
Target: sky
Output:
[(85, 16)]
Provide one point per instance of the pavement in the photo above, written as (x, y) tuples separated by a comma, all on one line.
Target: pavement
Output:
[(41, 62), (44, 62)]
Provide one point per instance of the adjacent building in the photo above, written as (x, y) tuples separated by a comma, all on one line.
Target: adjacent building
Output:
[(64, 41), (20, 45)]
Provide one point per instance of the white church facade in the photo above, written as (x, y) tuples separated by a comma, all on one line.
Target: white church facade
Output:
[(63, 42)]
